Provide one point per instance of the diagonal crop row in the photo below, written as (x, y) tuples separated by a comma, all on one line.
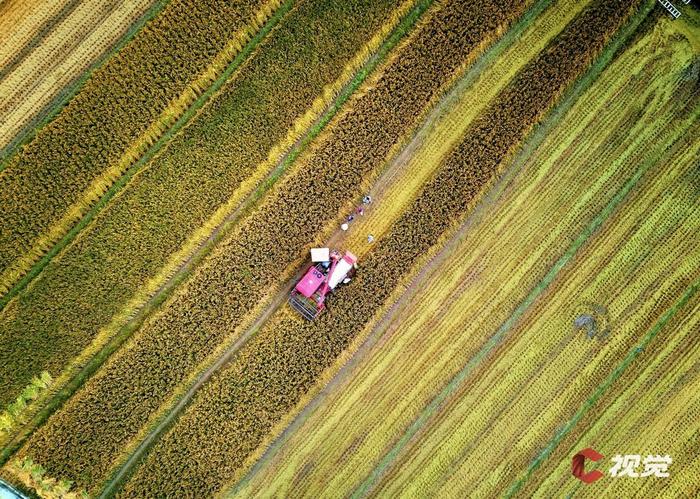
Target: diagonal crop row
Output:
[(241, 404), (124, 108), (119, 400), (183, 188)]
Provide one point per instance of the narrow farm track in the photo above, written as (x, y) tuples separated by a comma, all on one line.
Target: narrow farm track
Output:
[(331, 435), (67, 191), (286, 356), (153, 292)]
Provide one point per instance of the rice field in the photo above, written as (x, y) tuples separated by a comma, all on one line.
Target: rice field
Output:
[(47, 48), (527, 251)]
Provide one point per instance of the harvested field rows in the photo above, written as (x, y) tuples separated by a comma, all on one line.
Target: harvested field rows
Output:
[(665, 382), (362, 415), (70, 49), (73, 161), (23, 21), (276, 367), (545, 362)]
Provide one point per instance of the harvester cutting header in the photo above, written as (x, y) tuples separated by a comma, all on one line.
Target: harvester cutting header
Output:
[(329, 269)]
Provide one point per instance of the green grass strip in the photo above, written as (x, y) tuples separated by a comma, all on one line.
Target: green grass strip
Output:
[(600, 391), (165, 138), (595, 224), (59, 102)]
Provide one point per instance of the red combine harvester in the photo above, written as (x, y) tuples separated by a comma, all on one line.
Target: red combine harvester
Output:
[(328, 270)]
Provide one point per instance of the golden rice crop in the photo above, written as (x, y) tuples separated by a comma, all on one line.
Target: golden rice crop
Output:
[(119, 400), (79, 292), (233, 412), (115, 106)]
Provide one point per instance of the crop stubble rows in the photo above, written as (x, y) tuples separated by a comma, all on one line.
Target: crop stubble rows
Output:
[(437, 340)]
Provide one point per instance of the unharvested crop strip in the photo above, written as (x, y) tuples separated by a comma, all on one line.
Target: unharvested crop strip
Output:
[(182, 261), (58, 179), (283, 360), (347, 44), (92, 357), (61, 99), (216, 316), (97, 208)]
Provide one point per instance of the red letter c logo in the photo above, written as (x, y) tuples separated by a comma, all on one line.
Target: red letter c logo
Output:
[(578, 465)]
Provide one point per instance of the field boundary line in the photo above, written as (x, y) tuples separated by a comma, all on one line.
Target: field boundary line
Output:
[(169, 411), (600, 391), (172, 119), (54, 106)]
